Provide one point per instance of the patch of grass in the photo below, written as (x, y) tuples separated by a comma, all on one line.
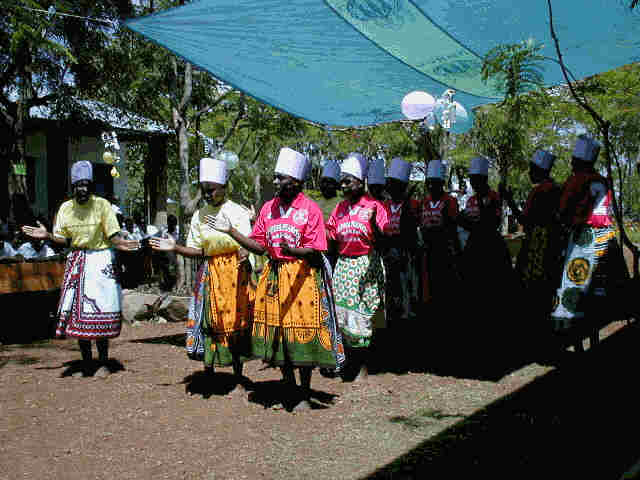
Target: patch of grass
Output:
[(422, 417), (408, 422), (436, 414), (18, 360)]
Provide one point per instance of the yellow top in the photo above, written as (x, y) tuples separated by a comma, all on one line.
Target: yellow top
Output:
[(212, 241), (89, 226)]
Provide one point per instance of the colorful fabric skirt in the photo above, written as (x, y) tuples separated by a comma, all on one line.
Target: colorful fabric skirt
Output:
[(220, 314), (539, 266), (359, 289), (90, 305), (295, 321), (593, 273), (401, 289)]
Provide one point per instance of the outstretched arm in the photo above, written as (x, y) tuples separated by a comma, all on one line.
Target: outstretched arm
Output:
[(40, 233), (170, 245), (222, 224), (124, 245)]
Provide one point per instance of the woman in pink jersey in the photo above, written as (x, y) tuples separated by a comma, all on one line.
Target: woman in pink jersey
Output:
[(593, 265), (294, 315), (358, 277)]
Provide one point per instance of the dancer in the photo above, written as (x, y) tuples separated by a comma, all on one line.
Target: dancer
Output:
[(294, 316), (90, 305), (220, 313)]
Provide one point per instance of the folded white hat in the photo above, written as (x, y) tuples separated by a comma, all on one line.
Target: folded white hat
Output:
[(399, 169), (82, 170), (375, 175), (437, 169), (543, 159), (586, 149), (479, 166), (355, 164), (331, 169), (213, 170), (291, 163)]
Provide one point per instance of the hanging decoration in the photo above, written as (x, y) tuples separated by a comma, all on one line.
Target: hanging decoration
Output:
[(111, 155), (417, 105)]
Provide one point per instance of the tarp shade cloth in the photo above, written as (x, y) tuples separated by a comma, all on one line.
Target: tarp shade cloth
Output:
[(350, 62)]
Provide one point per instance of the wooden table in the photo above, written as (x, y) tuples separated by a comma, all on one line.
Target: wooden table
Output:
[(42, 275)]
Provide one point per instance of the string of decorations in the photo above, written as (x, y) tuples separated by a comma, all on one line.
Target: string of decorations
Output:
[(51, 12)]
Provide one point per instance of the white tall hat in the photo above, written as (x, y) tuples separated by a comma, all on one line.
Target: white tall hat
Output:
[(437, 169), (331, 169), (479, 166), (586, 149), (82, 170), (375, 175), (213, 170), (543, 159), (291, 163), (399, 169), (355, 164)]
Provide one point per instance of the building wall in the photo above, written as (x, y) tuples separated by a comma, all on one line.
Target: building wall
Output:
[(86, 148)]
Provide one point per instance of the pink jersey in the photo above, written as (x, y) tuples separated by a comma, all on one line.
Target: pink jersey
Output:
[(350, 225), (301, 225)]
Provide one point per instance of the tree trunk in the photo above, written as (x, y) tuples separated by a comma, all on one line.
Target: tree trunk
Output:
[(158, 181)]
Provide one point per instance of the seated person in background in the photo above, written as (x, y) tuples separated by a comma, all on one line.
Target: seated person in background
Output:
[(130, 231), (172, 226), (35, 248), (6, 247)]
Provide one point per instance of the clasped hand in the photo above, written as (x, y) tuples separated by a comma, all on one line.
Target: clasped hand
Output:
[(219, 222)]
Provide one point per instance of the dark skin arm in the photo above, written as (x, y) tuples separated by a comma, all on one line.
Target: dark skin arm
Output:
[(303, 253)]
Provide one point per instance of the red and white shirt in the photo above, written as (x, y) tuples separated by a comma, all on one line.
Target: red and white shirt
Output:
[(432, 213), (350, 225), (300, 225), (472, 209), (394, 214)]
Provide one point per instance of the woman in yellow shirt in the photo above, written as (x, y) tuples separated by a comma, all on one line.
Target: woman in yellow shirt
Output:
[(90, 305), (221, 311)]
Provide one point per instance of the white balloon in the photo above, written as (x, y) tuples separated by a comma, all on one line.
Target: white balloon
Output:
[(417, 105)]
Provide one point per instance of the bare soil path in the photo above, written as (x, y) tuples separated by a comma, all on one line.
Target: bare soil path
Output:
[(159, 417)]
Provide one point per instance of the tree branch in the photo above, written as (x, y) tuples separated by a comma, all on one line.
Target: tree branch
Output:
[(235, 121), (603, 126)]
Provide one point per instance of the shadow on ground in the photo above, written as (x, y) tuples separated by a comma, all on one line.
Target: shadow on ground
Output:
[(77, 366), (177, 340), (577, 421), (269, 394)]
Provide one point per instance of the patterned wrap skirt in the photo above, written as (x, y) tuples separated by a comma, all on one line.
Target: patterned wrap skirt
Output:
[(539, 267), (593, 273), (295, 321), (220, 314), (359, 290), (90, 306)]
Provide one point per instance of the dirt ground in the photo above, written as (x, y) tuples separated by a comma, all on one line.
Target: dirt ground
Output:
[(158, 417)]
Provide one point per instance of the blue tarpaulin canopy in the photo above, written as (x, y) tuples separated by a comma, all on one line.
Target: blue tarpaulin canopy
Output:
[(350, 62)]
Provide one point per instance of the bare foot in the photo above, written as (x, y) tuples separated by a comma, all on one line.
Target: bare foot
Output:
[(362, 376), (239, 391), (302, 406), (102, 372)]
